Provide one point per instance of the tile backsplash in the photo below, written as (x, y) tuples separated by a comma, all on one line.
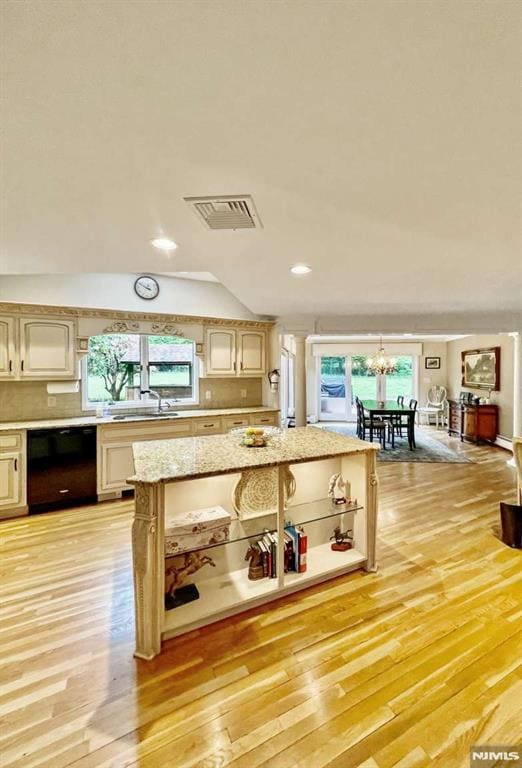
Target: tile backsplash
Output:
[(27, 400)]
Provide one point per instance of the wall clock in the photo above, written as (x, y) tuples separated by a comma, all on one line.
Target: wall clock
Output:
[(146, 287)]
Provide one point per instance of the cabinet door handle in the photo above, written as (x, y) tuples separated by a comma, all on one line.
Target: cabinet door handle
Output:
[(234, 365), (241, 365), (10, 366), (22, 365), (16, 465)]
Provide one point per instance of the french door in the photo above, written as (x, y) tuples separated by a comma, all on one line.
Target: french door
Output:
[(342, 378)]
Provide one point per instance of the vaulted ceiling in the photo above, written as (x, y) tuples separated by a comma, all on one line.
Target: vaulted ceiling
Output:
[(381, 143)]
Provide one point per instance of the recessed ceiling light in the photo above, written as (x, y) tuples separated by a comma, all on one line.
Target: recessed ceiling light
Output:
[(300, 269), (164, 244)]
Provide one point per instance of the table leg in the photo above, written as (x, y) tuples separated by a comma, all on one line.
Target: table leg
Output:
[(371, 427)]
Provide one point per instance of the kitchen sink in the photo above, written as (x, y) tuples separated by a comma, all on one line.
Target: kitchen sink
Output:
[(139, 417)]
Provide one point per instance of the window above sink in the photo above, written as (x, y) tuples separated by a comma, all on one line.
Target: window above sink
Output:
[(119, 366)]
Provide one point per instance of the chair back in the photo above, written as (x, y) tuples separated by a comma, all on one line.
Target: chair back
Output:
[(413, 405), (517, 455), (436, 396), (400, 400)]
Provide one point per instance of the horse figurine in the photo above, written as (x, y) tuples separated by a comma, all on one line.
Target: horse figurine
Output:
[(255, 566), (343, 540), (183, 567), (337, 489)]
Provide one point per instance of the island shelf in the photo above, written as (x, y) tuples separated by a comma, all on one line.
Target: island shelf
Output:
[(174, 476)]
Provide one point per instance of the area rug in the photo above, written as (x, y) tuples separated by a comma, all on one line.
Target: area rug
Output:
[(428, 449)]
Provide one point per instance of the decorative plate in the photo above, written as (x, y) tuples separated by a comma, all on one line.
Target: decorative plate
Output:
[(256, 492)]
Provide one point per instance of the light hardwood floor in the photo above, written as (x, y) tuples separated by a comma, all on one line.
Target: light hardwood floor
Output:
[(404, 668)]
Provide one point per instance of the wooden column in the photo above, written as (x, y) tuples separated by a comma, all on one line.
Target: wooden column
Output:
[(300, 381), (149, 567)]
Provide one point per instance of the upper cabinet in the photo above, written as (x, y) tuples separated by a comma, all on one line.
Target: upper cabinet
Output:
[(47, 349), (235, 353), (7, 348), (221, 352), (251, 352), (37, 348)]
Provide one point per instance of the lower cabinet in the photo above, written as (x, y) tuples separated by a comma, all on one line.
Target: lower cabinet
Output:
[(115, 458), (12, 473), (116, 465)]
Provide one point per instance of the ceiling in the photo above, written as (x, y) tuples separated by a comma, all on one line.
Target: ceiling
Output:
[(381, 143)]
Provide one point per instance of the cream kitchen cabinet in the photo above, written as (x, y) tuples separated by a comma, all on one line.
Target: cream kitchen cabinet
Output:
[(47, 349), (115, 462), (251, 353), (235, 352), (220, 352), (12, 474), (7, 348), (37, 348), (115, 459)]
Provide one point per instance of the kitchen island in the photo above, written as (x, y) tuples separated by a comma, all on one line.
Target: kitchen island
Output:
[(274, 491)]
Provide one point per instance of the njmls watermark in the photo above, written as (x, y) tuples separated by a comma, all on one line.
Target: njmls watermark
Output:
[(497, 755)]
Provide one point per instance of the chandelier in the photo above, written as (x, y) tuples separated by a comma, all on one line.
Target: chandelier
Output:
[(381, 363)]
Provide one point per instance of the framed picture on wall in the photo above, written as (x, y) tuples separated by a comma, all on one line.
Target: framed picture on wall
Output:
[(481, 368), (432, 363)]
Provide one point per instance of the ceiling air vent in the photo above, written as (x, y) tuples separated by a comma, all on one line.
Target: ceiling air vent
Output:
[(226, 212)]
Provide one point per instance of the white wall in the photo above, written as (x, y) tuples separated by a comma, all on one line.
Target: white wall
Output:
[(430, 377), (503, 398), (115, 291)]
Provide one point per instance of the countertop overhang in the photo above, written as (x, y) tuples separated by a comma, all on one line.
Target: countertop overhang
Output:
[(189, 458)]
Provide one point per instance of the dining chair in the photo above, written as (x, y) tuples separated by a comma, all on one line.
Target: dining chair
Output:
[(365, 425), (401, 421), (517, 456), (435, 405)]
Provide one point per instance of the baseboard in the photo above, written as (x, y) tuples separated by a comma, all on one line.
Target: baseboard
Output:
[(504, 442), (10, 514)]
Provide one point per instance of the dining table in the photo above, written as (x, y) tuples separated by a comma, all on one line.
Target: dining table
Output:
[(389, 409)]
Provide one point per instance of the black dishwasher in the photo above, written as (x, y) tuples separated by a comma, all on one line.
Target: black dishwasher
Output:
[(61, 468)]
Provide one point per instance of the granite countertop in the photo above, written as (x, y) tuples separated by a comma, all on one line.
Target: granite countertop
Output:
[(188, 458), (88, 421)]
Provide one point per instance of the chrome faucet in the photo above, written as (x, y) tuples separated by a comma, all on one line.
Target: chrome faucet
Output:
[(161, 406)]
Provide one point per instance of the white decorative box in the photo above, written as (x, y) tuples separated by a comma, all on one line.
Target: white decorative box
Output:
[(196, 529)]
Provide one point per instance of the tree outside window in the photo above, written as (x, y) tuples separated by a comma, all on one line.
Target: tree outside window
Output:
[(120, 365)]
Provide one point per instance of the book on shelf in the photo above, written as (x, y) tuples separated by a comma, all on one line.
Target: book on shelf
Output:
[(294, 555), (303, 547)]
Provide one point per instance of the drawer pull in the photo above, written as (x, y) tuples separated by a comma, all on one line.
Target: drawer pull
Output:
[(238, 423), (209, 425)]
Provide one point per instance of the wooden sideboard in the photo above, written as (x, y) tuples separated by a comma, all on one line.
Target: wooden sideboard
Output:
[(478, 423)]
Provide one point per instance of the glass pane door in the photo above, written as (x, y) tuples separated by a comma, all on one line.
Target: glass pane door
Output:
[(363, 382), (333, 387), (401, 381)]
